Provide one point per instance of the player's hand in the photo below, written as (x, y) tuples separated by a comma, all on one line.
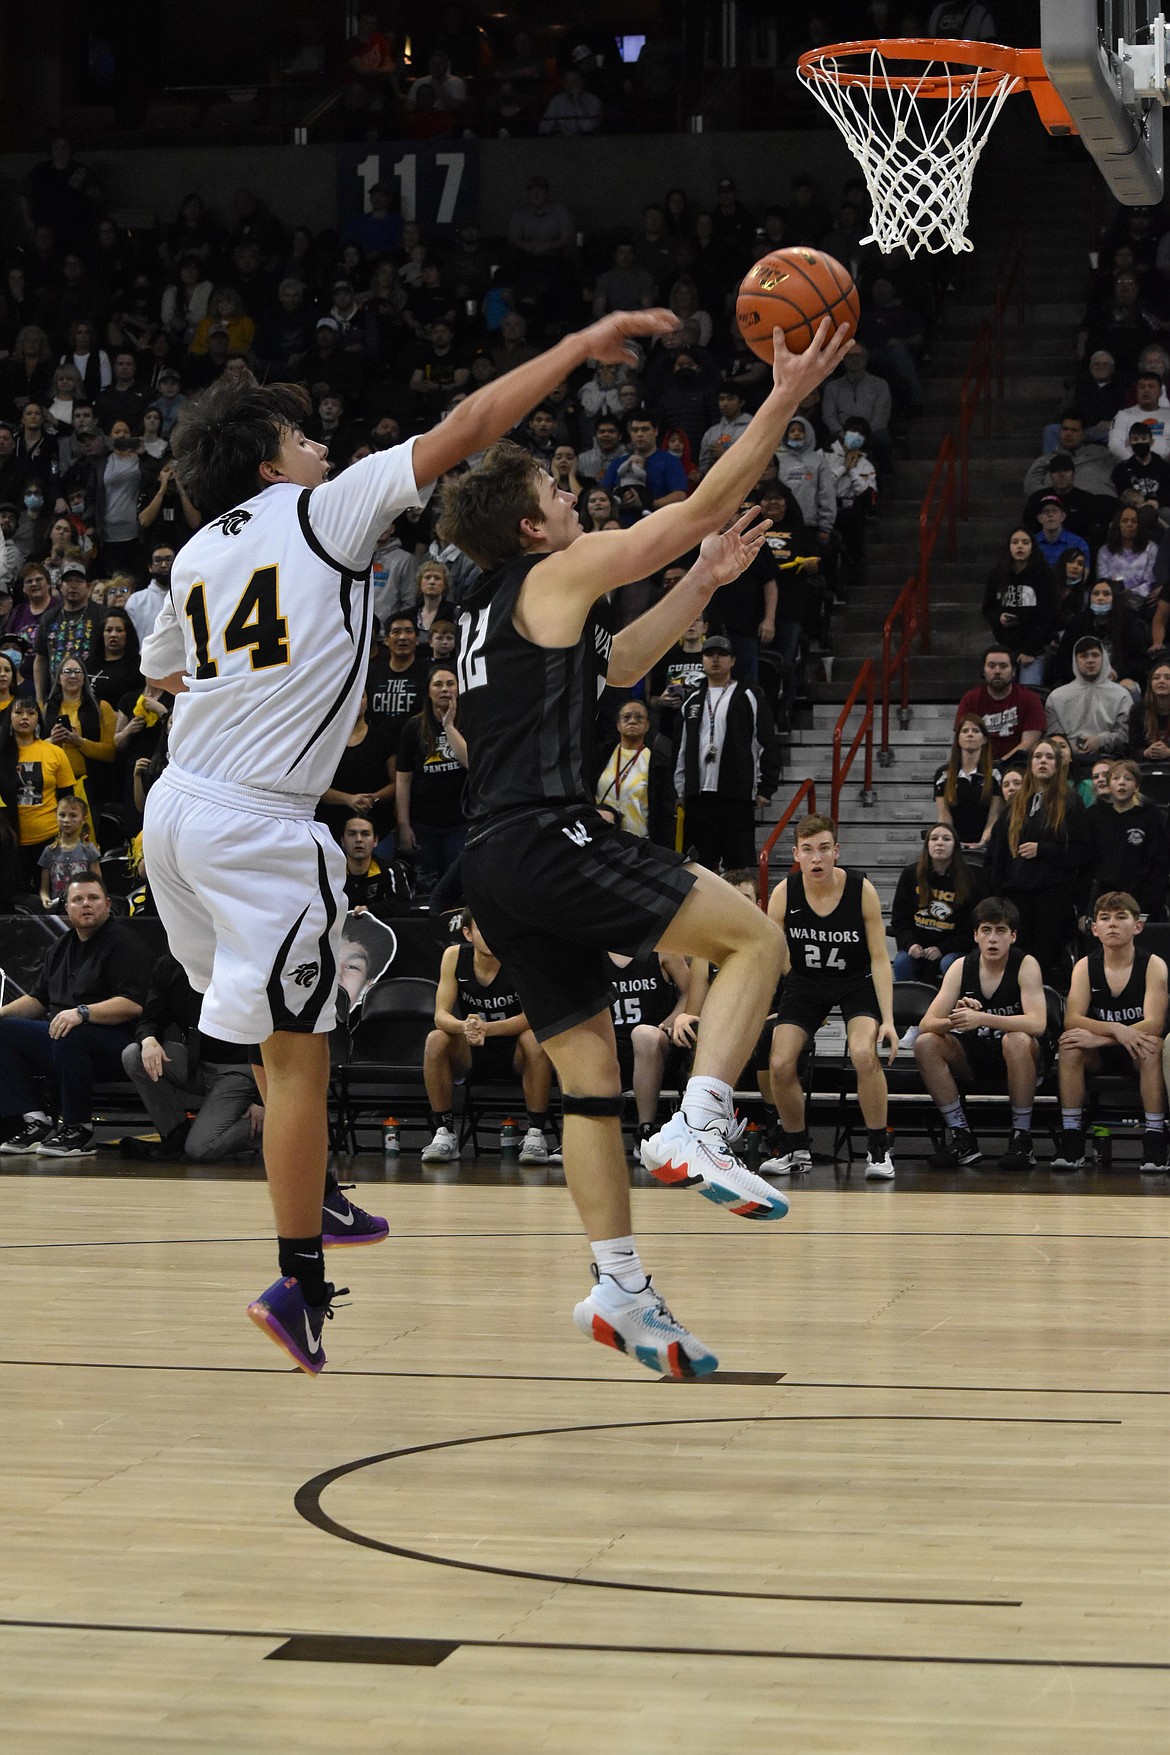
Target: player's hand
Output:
[(154, 1058), (1080, 1039), (608, 339), (684, 1031), (889, 1035), (725, 554), (475, 1032), (794, 375), (1137, 1043), (965, 1017)]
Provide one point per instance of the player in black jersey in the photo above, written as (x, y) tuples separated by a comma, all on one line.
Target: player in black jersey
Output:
[(555, 886), (480, 1024), (988, 1015), (1114, 1021), (835, 957), (647, 1003)]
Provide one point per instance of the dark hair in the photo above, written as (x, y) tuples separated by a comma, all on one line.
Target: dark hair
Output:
[(604, 420), (132, 643), (585, 514), (1116, 902), (955, 759), (958, 870), (997, 911), (997, 647), (1143, 536), (1150, 729), (223, 436), (430, 730), (1072, 414), (731, 387), (89, 713), (1155, 377), (85, 877), (481, 512), (641, 413), (1053, 795)]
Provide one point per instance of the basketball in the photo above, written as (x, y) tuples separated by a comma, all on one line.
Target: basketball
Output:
[(793, 290)]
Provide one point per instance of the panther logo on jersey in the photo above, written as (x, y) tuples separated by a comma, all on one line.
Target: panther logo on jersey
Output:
[(231, 523), (306, 973)]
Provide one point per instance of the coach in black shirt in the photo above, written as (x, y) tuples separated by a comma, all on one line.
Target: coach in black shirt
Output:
[(73, 1024)]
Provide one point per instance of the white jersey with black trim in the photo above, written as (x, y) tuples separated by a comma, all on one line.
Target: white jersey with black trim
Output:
[(270, 621)]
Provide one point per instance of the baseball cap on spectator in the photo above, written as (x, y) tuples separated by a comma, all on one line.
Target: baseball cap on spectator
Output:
[(726, 183), (168, 375), (219, 329), (581, 53), (1087, 643), (9, 506), (74, 567), (1061, 460), (329, 323), (717, 643), (1052, 500)]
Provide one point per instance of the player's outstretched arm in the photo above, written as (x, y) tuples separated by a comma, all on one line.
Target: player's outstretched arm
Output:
[(598, 562), (497, 408)]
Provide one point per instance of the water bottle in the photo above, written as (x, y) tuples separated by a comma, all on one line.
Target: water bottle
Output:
[(751, 1140), (390, 1139), (509, 1135)]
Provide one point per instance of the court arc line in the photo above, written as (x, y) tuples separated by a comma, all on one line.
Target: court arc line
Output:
[(307, 1503), (667, 1651)]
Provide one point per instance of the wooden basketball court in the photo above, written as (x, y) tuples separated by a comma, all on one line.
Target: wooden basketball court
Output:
[(922, 1508)]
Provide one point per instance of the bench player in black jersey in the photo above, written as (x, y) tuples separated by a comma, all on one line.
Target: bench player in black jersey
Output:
[(648, 996), (987, 1017), (554, 885), (480, 1026), (1114, 1021), (835, 957)]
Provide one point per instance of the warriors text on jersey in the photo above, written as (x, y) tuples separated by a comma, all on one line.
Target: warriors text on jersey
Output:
[(489, 1000), (1126, 1007), (833, 945), (526, 711), (270, 622), (1005, 1002), (642, 995)]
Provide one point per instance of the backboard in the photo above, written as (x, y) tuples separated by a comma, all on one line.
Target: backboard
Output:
[(1107, 60)]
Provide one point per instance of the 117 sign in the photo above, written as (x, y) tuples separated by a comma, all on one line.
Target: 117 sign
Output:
[(437, 183)]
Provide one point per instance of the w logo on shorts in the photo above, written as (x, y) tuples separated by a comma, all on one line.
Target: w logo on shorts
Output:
[(578, 834), (306, 973)]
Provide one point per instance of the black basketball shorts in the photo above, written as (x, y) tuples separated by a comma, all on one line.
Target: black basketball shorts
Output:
[(807, 1002), (553, 891)]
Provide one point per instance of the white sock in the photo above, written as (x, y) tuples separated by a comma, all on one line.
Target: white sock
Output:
[(706, 1101), (38, 1115), (618, 1257)]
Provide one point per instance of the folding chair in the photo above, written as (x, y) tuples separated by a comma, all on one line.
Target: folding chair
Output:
[(384, 1066)]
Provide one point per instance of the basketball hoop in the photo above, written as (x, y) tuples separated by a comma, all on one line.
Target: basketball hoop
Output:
[(919, 168)]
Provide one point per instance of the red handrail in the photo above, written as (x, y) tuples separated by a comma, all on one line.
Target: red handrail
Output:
[(938, 503), (864, 680), (806, 789), (905, 611)]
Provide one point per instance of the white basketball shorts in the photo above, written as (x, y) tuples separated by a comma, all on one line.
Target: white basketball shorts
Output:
[(250, 891)]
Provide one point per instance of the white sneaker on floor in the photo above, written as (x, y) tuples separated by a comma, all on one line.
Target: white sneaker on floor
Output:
[(879, 1169), (442, 1148), (533, 1149), (793, 1159), (639, 1323), (691, 1157)]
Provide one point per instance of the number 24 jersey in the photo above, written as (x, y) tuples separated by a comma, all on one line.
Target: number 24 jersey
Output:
[(270, 621), (833, 944)]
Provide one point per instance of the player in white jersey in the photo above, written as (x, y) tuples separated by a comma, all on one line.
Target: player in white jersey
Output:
[(266, 637)]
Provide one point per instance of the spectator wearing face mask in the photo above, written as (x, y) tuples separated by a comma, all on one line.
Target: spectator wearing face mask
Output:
[(687, 399), (1143, 479), (31, 536), (1124, 638), (855, 485), (1150, 409), (805, 473), (118, 489), (145, 606)]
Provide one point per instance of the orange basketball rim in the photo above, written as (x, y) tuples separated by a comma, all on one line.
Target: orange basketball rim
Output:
[(978, 68)]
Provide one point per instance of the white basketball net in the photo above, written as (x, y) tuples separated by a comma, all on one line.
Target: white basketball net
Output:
[(918, 161)]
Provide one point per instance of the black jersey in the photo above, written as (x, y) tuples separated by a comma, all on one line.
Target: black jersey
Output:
[(642, 995), (1005, 1002), (526, 711), (491, 1002), (1126, 1007), (832, 945)]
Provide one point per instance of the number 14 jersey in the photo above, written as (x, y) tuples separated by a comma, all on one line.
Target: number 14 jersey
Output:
[(270, 621), (833, 944)]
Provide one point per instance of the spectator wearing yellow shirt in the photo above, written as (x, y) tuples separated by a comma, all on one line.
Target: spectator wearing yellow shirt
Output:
[(225, 310), (83, 727), (39, 773)]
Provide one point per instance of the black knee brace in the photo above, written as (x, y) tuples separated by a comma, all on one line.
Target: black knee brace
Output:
[(593, 1105)]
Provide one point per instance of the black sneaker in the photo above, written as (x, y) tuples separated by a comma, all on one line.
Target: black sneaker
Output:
[(1155, 1156), (1070, 1149), (1021, 1153), (961, 1149), (29, 1137), (68, 1142), (643, 1132)]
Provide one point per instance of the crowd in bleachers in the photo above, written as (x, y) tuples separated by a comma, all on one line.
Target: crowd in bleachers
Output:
[(104, 335)]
